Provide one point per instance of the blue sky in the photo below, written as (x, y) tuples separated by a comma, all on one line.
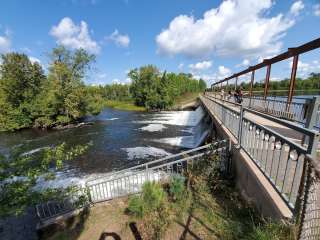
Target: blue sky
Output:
[(211, 39)]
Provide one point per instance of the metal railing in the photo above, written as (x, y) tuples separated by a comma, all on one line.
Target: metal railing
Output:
[(278, 158), (308, 219), (300, 110), (131, 180)]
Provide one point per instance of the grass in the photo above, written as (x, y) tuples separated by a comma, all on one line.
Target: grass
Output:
[(124, 105), (185, 99), (212, 209)]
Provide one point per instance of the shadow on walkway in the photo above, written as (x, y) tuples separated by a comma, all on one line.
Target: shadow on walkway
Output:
[(134, 229), (104, 236)]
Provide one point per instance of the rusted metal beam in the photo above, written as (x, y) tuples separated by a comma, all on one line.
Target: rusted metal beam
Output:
[(266, 83), (292, 80), (288, 54)]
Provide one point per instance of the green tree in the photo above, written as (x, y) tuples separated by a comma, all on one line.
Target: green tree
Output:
[(19, 174), (64, 99), (20, 84)]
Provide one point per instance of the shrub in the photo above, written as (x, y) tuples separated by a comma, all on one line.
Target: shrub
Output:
[(43, 122), (177, 188), (135, 206), (152, 208), (153, 196), (270, 230)]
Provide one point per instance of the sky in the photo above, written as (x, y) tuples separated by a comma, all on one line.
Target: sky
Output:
[(210, 39)]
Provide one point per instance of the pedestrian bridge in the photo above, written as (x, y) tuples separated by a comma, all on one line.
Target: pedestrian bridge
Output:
[(268, 156), (269, 146)]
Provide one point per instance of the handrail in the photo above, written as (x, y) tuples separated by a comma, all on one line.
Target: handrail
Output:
[(293, 126), (157, 160), (288, 54), (119, 184), (277, 157)]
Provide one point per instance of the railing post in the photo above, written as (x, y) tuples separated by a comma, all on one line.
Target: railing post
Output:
[(240, 126), (251, 87), (311, 115), (147, 173), (266, 84), (292, 80)]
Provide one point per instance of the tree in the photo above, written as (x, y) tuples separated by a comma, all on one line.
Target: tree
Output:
[(19, 174), (64, 99), (155, 90), (20, 84)]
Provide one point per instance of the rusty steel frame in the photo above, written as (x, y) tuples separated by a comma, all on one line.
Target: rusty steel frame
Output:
[(266, 83), (292, 52), (292, 79)]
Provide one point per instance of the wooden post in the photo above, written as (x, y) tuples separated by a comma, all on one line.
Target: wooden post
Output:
[(292, 80), (266, 83)]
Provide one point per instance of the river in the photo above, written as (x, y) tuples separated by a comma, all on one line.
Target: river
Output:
[(119, 139)]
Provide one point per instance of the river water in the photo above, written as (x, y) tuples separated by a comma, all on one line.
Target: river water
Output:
[(119, 139)]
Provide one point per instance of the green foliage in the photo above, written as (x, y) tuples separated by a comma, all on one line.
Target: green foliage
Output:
[(152, 208), (177, 188), (20, 84), (310, 83), (19, 173), (270, 230), (155, 90), (135, 206), (29, 98)]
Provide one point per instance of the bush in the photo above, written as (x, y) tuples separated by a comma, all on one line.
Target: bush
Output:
[(43, 122), (63, 120), (177, 188), (135, 206), (270, 230), (153, 209)]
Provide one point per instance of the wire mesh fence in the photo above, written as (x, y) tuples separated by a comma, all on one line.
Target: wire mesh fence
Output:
[(308, 219)]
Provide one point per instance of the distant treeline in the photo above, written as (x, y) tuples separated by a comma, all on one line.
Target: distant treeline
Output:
[(31, 98), (158, 90), (312, 82)]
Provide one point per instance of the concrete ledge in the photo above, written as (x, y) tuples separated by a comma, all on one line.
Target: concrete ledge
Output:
[(251, 182)]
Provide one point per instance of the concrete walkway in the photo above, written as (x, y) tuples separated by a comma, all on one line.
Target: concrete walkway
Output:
[(286, 132)]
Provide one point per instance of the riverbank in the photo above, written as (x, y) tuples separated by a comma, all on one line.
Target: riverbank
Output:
[(185, 99), (222, 215), (124, 105)]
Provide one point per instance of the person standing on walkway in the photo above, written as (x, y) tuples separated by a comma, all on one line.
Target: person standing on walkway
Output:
[(222, 94)]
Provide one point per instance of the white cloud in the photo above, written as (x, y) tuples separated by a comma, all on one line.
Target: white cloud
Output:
[(235, 28), (74, 36), (222, 73), (121, 40), (34, 60), (180, 66), (200, 66), (5, 43), (296, 8), (316, 10), (244, 63), (305, 68)]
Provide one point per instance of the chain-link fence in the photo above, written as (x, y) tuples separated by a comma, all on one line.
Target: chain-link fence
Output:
[(308, 218)]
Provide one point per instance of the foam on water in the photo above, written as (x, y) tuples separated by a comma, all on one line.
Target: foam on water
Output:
[(33, 151), (111, 119), (153, 127), (184, 141), (144, 152), (178, 118)]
